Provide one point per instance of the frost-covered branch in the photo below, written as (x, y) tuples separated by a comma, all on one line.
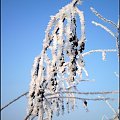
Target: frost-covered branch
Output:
[(117, 75), (110, 106), (104, 116), (102, 18), (79, 98), (111, 33), (85, 93), (27, 117), (105, 28), (99, 50), (74, 2), (24, 94)]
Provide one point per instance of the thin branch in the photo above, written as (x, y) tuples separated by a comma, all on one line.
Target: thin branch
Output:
[(105, 117), (110, 106), (117, 45), (100, 50), (94, 99), (104, 27), (117, 75), (14, 100), (74, 2), (85, 93), (102, 18), (26, 118), (87, 80)]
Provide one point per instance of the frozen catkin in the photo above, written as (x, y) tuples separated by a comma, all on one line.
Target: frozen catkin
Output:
[(55, 69), (59, 67)]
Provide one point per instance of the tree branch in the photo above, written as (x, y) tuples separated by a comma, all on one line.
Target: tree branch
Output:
[(14, 100), (102, 18), (100, 50), (26, 118), (110, 106), (105, 28), (86, 93), (94, 99)]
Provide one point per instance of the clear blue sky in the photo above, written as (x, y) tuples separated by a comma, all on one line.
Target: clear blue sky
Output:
[(23, 26)]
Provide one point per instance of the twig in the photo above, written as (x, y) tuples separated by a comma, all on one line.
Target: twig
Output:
[(117, 75), (86, 93), (102, 18), (94, 99), (105, 28), (105, 117), (110, 106), (100, 50), (14, 100), (26, 118)]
